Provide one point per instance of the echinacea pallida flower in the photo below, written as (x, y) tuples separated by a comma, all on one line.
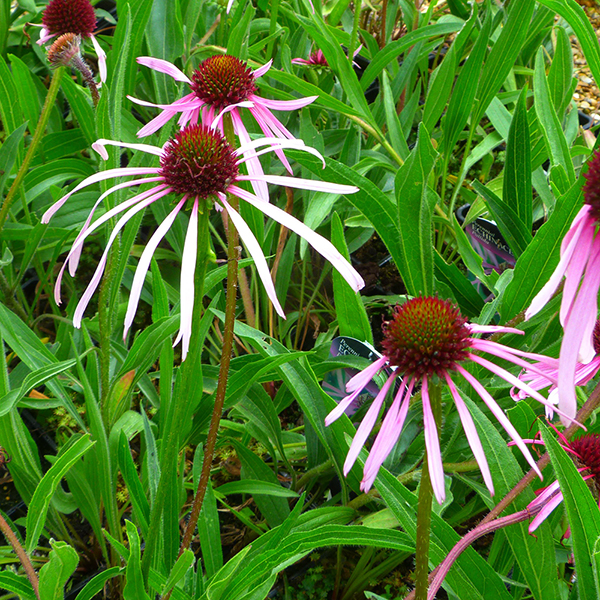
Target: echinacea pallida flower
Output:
[(197, 163), (72, 16), (580, 265), (222, 84), (428, 340)]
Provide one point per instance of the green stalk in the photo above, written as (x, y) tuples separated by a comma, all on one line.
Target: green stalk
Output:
[(424, 508), (272, 27), (232, 285), (35, 142), (355, 26), (179, 404)]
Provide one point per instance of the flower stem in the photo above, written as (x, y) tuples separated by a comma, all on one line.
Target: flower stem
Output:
[(189, 370), (424, 507), (21, 554), (232, 284), (35, 142)]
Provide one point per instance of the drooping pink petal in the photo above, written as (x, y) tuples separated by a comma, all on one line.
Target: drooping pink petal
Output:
[(362, 378), (91, 288), (186, 288), (432, 444), (288, 104), (187, 102), (163, 66), (144, 264), (101, 58), (99, 147), (232, 107), (256, 253), (229, 5), (471, 433), (278, 143), (155, 124), (367, 424), (500, 416), (80, 239), (319, 243), (342, 406), (262, 70), (44, 35), (95, 178), (545, 512), (303, 184), (474, 328), (300, 61)]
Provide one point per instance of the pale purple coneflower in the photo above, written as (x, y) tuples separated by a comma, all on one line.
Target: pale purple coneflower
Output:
[(72, 16), (315, 59), (197, 163), (224, 84), (580, 265), (429, 338)]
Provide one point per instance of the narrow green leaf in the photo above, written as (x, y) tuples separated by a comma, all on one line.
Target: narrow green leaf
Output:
[(414, 213), (560, 75), (582, 512), (19, 584), (395, 133), (63, 560), (134, 588), (255, 486), (10, 111), (28, 97), (38, 507), (97, 583), (180, 568), (352, 316), (209, 531), (9, 153)]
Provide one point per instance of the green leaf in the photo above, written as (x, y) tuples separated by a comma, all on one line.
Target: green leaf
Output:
[(509, 223), (97, 583), (63, 560), (504, 53), (414, 214), (180, 568), (8, 154), (28, 97), (118, 61), (536, 264), (134, 588), (209, 531), (10, 111), (517, 189), (351, 314), (582, 512), (255, 486), (560, 75), (395, 133), (19, 584), (81, 106), (239, 33), (556, 142), (38, 507)]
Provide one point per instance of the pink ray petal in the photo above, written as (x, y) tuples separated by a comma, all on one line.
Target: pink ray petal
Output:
[(367, 424), (278, 143), (188, 102), (319, 243), (144, 264), (219, 117), (288, 104), (95, 178), (266, 122), (99, 147), (500, 416), (545, 512), (432, 443), (303, 184), (187, 291), (44, 35), (301, 61), (390, 432), (474, 328), (155, 124), (342, 406), (471, 433), (91, 288), (256, 253), (101, 58), (362, 378), (163, 66), (262, 70)]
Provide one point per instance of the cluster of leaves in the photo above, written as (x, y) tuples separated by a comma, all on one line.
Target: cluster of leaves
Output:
[(448, 90)]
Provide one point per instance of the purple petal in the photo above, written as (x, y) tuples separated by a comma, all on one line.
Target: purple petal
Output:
[(545, 512), (262, 70), (471, 433), (186, 288), (287, 104), (319, 243), (98, 146), (432, 444), (303, 184), (95, 178), (362, 378), (162, 66), (256, 253), (474, 328), (499, 414), (101, 58), (300, 61), (188, 102), (340, 409), (275, 143), (218, 118), (367, 424), (144, 265)]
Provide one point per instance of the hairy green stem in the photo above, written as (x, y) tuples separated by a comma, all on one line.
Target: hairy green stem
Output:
[(21, 555), (424, 506), (189, 370), (35, 142), (355, 26)]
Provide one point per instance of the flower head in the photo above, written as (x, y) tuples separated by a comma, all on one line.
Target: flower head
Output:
[(580, 265), (224, 84), (315, 59), (72, 16), (428, 340), (197, 164)]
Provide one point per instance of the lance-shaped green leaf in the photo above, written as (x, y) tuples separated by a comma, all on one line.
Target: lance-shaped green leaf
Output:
[(19, 584), (134, 588), (62, 562), (415, 204), (582, 512), (517, 190), (38, 507), (556, 142)]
